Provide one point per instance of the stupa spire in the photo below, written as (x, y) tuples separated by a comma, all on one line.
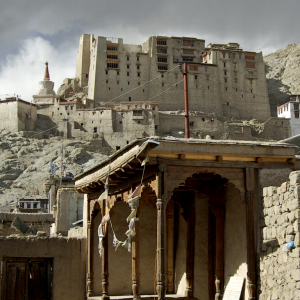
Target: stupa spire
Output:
[(46, 75)]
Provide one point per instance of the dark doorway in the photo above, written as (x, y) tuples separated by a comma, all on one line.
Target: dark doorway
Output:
[(26, 278)]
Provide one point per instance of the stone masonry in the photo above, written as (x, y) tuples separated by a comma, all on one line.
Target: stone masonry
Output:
[(280, 224)]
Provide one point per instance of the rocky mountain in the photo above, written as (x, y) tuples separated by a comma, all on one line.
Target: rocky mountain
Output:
[(282, 72), (25, 163)]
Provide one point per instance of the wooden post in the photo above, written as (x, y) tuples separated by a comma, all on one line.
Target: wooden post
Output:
[(251, 255), (104, 274), (190, 247), (161, 226), (220, 225), (160, 275), (219, 209), (90, 238), (136, 261), (170, 239)]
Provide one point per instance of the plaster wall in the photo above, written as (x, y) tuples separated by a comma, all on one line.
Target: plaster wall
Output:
[(8, 115), (68, 261), (235, 237)]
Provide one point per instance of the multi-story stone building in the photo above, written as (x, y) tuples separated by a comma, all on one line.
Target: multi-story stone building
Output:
[(222, 79)]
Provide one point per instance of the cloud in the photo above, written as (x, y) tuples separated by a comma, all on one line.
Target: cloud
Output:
[(21, 72)]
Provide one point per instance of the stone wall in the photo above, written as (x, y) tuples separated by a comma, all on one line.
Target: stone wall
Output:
[(41, 222), (280, 224), (68, 278)]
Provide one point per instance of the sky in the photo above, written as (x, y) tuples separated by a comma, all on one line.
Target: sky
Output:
[(35, 31)]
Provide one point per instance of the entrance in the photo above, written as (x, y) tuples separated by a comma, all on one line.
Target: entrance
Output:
[(26, 278)]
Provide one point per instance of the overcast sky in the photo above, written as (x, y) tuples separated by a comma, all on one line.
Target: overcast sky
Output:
[(33, 31)]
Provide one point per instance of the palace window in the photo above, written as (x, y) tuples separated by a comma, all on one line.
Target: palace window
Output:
[(162, 68), (193, 68), (161, 51), (249, 56), (113, 66), (250, 65), (112, 56), (162, 59), (162, 42), (112, 48), (188, 52)]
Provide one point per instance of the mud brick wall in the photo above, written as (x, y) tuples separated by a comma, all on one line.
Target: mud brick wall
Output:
[(279, 274)]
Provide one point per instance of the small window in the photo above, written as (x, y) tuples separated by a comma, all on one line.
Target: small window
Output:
[(227, 103), (143, 90), (106, 72), (138, 58), (127, 66), (225, 73), (208, 87), (223, 55), (296, 114), (127, 57), (61, 114), (191, 124), (120, 122), (162, 84), (162, 75), (118, 82), (153, 107), (118, 73), (109, 88), (224, 65), (139, 83), (139, 74), (225, 79), (138, 67), (106, 81), (129, 98), (127, 73), (156, 127), (128, 82), (196, 77), (127, 142), (58, 109), (203, 119), (95, 129), (118, 147)]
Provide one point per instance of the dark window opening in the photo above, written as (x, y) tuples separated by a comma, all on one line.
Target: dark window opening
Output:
[(208, 87), (224, 64), (203, 119), (95, 129), (139, 122), (127, 73), (127, 142), (138, 67), (196, 77), (129, 98), (156, 127), (137, 113), (112, 48), (139, 74), (112, 66), (118, 147), (106, 72), (163, 68), (143, 91), (118, 73), (112, 56), (162, 75), (118, 82), (162, 84), (227, 103), (191, 124), (138, 58), (106, 81), (127, 66), (162, 59), (128, 82), (139, 83), (127, 57), (161, 42)]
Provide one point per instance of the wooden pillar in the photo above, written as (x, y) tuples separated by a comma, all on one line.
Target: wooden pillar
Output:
[(251, 255), (160, 275), (90, 239), (136, 260), (219, 212), (104, 274), (190, 247), (170, 246), (161, 203), (218, 207)]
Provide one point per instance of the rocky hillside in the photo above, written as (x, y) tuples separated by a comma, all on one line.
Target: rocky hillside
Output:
[(283, 71), (25, 163)]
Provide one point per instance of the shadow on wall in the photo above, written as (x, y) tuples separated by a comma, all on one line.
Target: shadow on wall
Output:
[(276, 94), (43, 123)]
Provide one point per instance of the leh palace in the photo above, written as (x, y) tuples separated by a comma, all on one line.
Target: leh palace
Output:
[(199, 197)]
